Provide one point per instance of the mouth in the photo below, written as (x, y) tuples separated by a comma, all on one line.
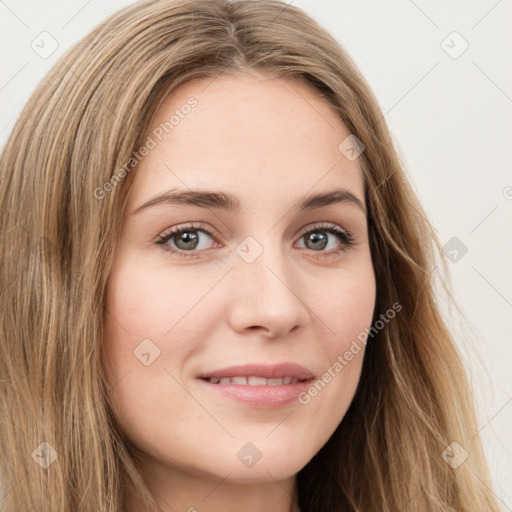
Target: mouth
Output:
[(260, 374), (254, 380), (259, 386)]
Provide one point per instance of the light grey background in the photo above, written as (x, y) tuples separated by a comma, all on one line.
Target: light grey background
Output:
[(450, 111)]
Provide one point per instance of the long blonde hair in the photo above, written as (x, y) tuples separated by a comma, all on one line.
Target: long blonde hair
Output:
[(79, 128)]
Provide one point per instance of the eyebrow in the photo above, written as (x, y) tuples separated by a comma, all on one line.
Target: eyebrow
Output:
[(231, 203)]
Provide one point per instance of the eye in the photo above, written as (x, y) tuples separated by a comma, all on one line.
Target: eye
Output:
[(317, 239), (186, 240)]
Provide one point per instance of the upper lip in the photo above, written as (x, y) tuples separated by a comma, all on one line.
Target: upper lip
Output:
[(276, 371)]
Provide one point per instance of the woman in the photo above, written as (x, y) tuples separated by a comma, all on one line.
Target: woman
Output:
[(218, 283)]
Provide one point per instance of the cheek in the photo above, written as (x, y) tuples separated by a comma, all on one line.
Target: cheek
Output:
[(149, 302), (152, 326), (346, 306)]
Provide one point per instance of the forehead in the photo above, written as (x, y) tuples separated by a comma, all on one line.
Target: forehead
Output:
[(248, 135)]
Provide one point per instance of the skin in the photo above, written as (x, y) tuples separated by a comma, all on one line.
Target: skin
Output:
[(268, 141)]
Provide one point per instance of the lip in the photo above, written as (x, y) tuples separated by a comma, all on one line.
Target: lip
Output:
[(261, 397), (276, 371)]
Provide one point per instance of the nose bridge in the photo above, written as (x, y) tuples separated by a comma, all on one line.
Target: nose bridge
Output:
[(268, 291), (263, 262)]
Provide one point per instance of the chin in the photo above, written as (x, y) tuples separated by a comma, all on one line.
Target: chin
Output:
[(262, 462)]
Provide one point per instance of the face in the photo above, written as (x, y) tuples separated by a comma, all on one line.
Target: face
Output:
[(199, 286)]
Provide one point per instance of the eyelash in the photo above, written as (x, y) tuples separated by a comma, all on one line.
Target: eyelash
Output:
[(344, 236)]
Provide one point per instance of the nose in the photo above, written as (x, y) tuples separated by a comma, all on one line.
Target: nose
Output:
[(268, 296)]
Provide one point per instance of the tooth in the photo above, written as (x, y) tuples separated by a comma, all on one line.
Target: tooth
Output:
[(238, 380), (256, 381), (253, 381)]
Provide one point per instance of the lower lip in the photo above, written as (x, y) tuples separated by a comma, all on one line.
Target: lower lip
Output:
[(265, 397)]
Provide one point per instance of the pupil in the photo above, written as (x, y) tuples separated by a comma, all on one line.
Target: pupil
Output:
[(190, 241), (315, 238)]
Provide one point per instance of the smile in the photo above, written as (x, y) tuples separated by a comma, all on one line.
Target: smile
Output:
[(253, 381)]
